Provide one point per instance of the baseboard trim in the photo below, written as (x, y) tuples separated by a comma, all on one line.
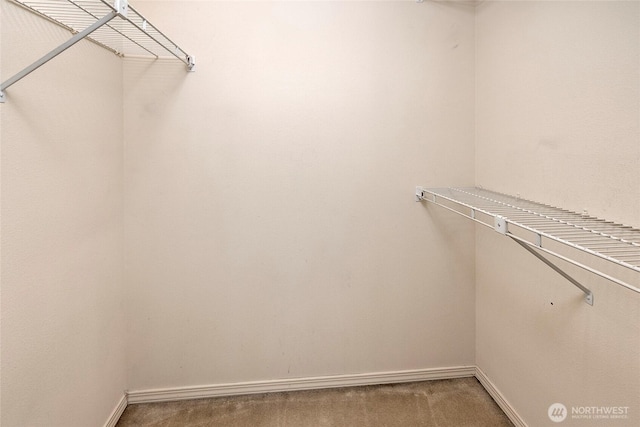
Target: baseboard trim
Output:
[(310, 383), (499, 398), (117, 412)]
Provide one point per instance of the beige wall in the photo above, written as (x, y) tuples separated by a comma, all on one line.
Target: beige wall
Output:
[(270, 226), (62, 351), (558, 119)]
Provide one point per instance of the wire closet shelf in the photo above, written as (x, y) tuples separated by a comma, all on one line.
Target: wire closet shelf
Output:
[(114, 25), (543, 228), (131, 35)]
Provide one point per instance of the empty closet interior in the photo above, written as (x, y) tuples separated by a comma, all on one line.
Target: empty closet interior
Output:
[(205, 198)]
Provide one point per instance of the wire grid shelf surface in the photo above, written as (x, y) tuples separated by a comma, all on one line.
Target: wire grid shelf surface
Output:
[(613, 242), (130, 35)]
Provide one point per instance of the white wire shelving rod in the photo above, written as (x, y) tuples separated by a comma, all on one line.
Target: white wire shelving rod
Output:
[(616, 243)]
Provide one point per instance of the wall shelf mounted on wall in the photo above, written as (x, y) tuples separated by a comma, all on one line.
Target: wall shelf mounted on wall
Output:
[(542, 228), (115, 26)]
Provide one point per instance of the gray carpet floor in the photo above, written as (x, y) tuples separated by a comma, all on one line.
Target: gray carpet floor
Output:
[(457, 402)]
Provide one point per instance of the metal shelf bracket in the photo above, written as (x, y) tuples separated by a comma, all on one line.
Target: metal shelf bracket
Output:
[(616, 243), (588, 295), (120, 4), (73, 16), (121, 7), (500, 225)]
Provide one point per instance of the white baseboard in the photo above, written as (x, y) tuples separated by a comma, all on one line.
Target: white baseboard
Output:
[(310, 383), (499, 398), (333, 381), (117, 412)]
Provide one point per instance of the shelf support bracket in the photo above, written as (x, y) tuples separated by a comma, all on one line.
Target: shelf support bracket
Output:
[(588, 294), (464, 200), (120, 9)]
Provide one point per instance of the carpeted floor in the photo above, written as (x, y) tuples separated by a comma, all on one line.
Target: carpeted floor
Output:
[(458, 402)]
